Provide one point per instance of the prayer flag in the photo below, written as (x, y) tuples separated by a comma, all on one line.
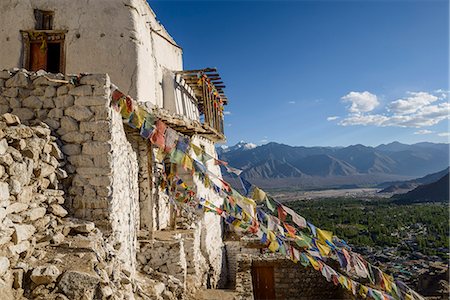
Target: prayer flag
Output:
[(233, 170), (171, 138), (158, 137), (313, 229), (324, 235), (258, 194), (270, 205), (281, 213), (245, 185)]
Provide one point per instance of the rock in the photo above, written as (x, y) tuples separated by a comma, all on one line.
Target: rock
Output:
[(4, 191), (2, 214), (68, 124), (76, 137), (106, 291), (20, 248), (5, 74), (64, 101), (3, 146), (44, 170), (95, 80), (91, 101), (18, 132), (19, 80), (18, 278), (78, 285), (58, 238), (4, 265), (82, 90), (56, 113), (16, 208), (47, 103), (22, 233), (79, 113), (71, 149), (32, 102), (11, 92), (45, 274), (15, 187), (58, 210), (41, 131), (25, 195), (96, 148), (62, 90), (11, 119), (84, 228), (36, 213), (56, 152), (159, 288), (50, 92), (24, 114)]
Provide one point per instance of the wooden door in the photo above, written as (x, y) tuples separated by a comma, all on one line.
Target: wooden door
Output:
[(38, 57), (263, 283)]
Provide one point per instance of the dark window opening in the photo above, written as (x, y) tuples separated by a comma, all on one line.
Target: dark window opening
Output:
[(54, 58), (44, 19), (45, 56)]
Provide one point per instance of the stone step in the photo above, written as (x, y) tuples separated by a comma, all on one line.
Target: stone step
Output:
[(210, 294)]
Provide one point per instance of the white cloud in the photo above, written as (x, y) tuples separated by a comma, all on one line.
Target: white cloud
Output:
[(418, 110), (423, 131), (361, 102), (291, 102), (332, 118), (226, 112), (443, 134), (412, 103), (263, 141)]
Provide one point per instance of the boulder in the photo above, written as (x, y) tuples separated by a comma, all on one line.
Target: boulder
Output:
[(78, 285), (3, 146), (58, 210), (45, 274), (4, 191), (22, 233), (4, 265)]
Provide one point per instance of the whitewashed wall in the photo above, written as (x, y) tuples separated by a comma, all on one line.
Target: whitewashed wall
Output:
[(104, 36)]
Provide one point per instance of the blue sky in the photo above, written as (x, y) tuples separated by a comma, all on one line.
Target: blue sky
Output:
[(324, 73)]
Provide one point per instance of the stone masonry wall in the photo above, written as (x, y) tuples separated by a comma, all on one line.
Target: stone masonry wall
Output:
[(292, 281), (92, 138), (233, 249)]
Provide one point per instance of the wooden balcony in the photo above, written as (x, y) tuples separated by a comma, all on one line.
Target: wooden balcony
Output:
[(208, 91)]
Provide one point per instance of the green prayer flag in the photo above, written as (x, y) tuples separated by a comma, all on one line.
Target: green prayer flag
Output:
[(270, 205)]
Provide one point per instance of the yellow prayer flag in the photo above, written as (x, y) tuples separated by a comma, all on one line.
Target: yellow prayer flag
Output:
[(271, 236), (160, 155), (197, 150), (387, 279), (324, 249), (363, 290), (274, 246), (313, 262), (186, 162), (324, 235), (249, 201), (258, 194)]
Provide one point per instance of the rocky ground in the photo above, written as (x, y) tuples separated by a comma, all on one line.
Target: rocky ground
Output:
[(44, 253)]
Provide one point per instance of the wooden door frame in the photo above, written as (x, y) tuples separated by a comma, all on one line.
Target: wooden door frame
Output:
[(49, 36)]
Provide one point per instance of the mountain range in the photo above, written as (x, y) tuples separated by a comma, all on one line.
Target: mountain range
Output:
[(406, 186), (437, 191), (278, 165)]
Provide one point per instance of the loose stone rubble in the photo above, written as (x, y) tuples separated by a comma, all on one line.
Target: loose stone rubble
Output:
[(44, 254)]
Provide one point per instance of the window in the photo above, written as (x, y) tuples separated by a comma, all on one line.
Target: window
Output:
[(43, 48), (44, 19)]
